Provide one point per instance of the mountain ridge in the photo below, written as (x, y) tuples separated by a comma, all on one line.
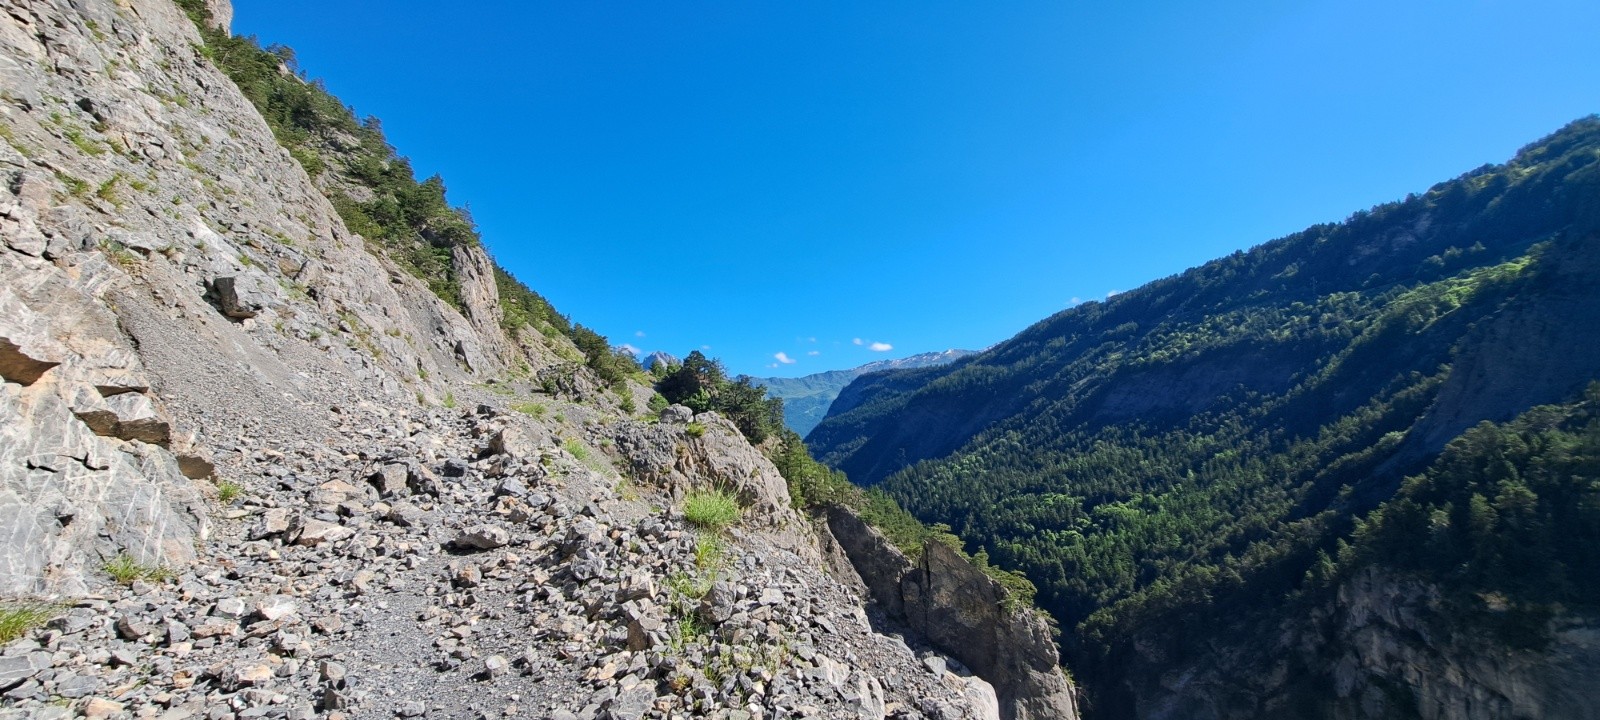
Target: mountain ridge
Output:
[(1173, 460)]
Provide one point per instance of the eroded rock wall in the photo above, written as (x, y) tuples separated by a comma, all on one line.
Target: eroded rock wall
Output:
[(1383, 647), (194, 276), (947, 600)]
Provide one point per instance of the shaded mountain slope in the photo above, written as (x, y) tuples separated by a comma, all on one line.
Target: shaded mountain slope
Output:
[(1172, 461)]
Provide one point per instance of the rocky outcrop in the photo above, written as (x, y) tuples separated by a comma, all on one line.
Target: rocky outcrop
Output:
[(85, 473), (946, 599), (712, 454)]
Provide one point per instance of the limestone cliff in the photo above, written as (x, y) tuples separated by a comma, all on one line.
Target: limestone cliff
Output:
[(959, 609), (1383, 647)]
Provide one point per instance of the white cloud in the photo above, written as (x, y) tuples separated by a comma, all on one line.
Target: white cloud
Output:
[(1075, 301), (811, 339), (784, 358), (814, 353), (857, 341), (880, 347), (1112, 293), (638, 333), (705, 347), (772, 365), (630, 349)]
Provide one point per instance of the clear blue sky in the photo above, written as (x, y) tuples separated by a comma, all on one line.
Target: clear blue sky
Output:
[(766, 177)]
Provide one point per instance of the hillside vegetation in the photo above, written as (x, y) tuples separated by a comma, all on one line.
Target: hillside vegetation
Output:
[(1178, 460)]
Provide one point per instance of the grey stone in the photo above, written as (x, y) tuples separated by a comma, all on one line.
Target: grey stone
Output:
[(482, 537), (244, 296)]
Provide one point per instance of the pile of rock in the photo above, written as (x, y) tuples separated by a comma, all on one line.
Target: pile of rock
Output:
[(385, 575)]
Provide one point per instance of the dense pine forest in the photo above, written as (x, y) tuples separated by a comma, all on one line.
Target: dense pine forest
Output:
[(1184, 460)]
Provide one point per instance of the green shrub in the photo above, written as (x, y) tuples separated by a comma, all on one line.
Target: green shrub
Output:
[(713, 509), (227, 491), (576, 448), (695, 429)]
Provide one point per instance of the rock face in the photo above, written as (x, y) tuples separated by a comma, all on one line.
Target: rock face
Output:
[(1381, 633), (959, 609)]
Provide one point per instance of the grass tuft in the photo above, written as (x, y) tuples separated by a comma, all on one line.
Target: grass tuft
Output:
[(124, 569), (16, 619), (713, 509)]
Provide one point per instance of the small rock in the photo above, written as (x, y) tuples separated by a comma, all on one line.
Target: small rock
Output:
[(276, 607), (98, 707), (483, 537)]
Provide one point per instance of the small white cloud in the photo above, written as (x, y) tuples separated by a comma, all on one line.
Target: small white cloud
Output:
[(814, 353), (811, 339), (857, 341), (1112, 293), (772, 365), (705, 347), (1075, 301), (880, 347), (630, 349), (784, 358), (638, 333)]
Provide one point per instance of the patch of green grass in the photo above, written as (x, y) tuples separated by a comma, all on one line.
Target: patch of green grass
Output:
[(16, 619), (89, 147), (713, 509), (228, 490), (695, 429), (531, 408), (709, 552), (449, 400), (108, 189), (572, 445), (124, 569), (74, 185), (690, 586)]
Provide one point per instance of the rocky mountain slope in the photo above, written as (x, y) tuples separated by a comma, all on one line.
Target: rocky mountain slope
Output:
[(806, 399), (1186, 469), (256, 464)]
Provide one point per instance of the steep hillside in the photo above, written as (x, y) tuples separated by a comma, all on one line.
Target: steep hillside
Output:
[(279, 439), (1169, 466), (806, 399)]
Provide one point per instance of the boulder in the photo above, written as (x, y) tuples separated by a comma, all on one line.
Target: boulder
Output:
[(244, 296), (482, 537)]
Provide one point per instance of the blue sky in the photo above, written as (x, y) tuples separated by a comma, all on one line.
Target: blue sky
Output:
[(842, 182)]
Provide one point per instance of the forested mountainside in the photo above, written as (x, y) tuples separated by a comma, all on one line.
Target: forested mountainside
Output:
[(806, 399), (278, 439), (1185, 468)]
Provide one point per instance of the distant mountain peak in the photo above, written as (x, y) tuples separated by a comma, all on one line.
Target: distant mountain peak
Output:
[(806, 399)]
